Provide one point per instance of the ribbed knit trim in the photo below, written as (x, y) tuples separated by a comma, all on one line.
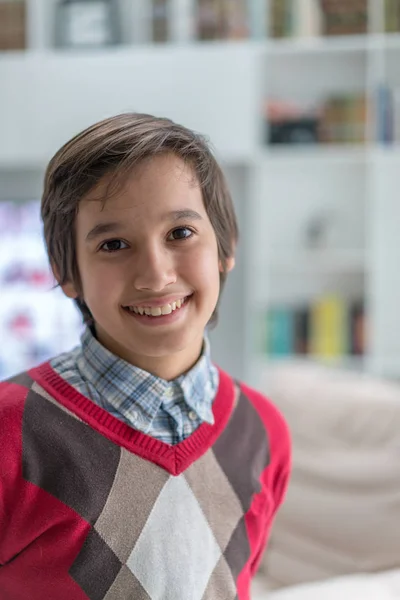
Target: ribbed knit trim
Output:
[(174, 459)]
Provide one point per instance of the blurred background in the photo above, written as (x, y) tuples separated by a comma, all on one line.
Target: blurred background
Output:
[(301, 102), (300, 99)]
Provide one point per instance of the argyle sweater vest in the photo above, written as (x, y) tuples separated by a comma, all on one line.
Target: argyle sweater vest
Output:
[(91, 508)]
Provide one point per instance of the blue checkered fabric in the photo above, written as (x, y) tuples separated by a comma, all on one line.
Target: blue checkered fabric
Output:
[(167, 410)]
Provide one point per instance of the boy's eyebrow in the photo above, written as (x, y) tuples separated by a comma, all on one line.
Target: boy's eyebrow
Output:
[(181, 215), (102, 228), (115, 227)]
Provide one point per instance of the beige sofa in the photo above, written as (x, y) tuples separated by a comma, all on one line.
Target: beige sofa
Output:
[(341, 516)]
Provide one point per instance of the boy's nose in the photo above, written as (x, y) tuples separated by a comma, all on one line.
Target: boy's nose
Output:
[(154, 270)]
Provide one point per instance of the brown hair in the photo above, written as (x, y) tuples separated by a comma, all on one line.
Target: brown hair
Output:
[(115, 146)]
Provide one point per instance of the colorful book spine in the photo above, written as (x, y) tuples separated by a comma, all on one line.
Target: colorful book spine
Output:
[(302, 330), (328, 328), (344, 17), (160, 20), (392, 16), (307, 18), (280, 332), (357, 329), (384, 115)]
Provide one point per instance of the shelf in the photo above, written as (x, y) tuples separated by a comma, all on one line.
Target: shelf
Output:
[(328, 45), (276, 47), (390, 152), (320, 45), (390, 41), (332, 153), (334, 261)]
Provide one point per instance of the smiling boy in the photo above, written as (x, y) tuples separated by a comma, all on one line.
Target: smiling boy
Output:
[(133, 467)]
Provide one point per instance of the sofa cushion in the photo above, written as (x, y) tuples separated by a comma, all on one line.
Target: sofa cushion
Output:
[(371, 586), (342, 510)]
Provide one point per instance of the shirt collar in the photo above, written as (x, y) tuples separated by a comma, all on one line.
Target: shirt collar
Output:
[(123, 384)]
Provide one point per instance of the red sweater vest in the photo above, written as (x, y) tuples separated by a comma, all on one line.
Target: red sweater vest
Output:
[(92, 509)]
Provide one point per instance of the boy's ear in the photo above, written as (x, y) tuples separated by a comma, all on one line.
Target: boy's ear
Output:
[(230, 263), (68, 288)]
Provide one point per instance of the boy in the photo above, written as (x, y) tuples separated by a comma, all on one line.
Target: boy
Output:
[(133, 467)]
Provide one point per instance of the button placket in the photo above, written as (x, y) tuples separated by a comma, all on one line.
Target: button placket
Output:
[(192, 415), (169, 392)]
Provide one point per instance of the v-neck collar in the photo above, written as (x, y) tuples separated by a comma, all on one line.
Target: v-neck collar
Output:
[(174, 459)]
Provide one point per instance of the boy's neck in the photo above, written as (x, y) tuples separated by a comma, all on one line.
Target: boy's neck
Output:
[(167, 367)]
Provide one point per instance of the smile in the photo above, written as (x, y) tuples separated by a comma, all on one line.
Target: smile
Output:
[(158, 311)]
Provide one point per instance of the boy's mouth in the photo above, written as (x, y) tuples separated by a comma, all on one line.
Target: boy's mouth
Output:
[(157, 311)]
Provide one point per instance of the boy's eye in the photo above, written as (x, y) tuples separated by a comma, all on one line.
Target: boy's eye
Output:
[(180, 233), (113, 246)]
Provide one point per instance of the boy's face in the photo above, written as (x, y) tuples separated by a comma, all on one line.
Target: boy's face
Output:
[(149, 249)]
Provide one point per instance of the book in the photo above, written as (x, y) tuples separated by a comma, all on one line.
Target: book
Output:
[(209, 19), (302, 330), (392, 16), (160, 20), (357, 328), (13, 24), (384, 114), (329, 326), (280, 18), (307, 18), (235, 19), (343, 120), (344, 17), (280, 332)]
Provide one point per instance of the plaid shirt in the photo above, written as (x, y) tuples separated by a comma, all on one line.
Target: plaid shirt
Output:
[(167, 410)]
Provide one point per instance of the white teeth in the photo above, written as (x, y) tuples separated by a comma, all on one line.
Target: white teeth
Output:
[(157, 311)]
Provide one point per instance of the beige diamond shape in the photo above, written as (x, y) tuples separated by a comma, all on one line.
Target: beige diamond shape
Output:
[(126, 586), (135, 489), (221, 583), (216, 497)]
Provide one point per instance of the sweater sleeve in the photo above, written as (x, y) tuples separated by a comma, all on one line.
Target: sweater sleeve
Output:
[(275, 477), (12, 398)]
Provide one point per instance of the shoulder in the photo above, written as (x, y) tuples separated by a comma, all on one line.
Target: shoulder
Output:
[(13, 394), (15, 387), (15, 390), (265, 407), (275, 424)]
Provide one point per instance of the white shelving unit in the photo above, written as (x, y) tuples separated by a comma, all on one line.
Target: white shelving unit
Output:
[(220, 89)]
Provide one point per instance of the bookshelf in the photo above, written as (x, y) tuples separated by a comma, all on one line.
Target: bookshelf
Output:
[(222, 88)]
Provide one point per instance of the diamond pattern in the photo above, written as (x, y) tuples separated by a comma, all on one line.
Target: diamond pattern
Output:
[(186, 551), (122, 520), (221, 583), (217, 498), (126, 587), (56, 457), (95, 576)]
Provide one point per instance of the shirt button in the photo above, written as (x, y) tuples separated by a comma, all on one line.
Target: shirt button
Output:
[(192, 415), (169, 393), (135, 415)]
